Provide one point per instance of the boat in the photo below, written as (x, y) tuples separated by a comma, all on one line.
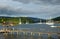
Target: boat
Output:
[(49, 23)]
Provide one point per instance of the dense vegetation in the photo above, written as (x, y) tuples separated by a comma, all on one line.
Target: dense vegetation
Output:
[(57, 19), (9, 20), (23, 20), (16, 20)]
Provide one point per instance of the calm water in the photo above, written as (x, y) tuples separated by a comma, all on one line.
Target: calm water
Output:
[(34, 28), (15, 36)]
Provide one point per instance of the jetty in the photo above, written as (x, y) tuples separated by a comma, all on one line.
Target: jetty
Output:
[(25, 32)]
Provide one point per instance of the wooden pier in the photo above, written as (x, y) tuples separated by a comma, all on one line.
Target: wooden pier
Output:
[(26, 32)]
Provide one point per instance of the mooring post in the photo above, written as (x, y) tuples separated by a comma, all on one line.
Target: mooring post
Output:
[(17, 32), (49, 36), (31, 33), (24, 33), (39, 34), (11, 32), (58, 35)]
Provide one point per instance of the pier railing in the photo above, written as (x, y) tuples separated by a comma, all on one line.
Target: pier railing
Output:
[(26, 32)]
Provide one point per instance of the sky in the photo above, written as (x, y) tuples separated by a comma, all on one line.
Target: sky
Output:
[(30, 8)]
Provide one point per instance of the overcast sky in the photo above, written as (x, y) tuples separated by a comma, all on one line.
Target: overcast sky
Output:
[(31, 8)]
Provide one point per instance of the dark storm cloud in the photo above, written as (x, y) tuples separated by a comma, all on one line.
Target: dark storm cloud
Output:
[(40, 1), (32, 8), (24, 1), (8, 11), (51, 1)]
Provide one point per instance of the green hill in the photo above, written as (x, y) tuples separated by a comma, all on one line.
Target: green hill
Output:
[(15, 20), (57, 19)]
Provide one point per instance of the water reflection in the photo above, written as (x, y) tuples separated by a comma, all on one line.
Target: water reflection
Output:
[(32, 27), (21, 36)]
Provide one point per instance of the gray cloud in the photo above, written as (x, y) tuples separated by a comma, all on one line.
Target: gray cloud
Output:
[(20, 12), (9, 11), (23, 1), (55, 2), (39, 9), (51, 1)]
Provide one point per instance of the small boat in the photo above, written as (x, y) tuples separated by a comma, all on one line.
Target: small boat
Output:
[(50, 23)]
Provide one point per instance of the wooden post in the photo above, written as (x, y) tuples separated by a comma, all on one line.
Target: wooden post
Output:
[(11, 32), (39, 34), (49, 35), (24, 33), (58, 35), (31, 33), (17, 32)]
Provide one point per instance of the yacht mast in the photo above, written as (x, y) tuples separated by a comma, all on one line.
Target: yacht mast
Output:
[(20, 21)]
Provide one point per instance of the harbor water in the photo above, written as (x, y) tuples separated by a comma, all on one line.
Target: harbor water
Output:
[(33, 28)]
